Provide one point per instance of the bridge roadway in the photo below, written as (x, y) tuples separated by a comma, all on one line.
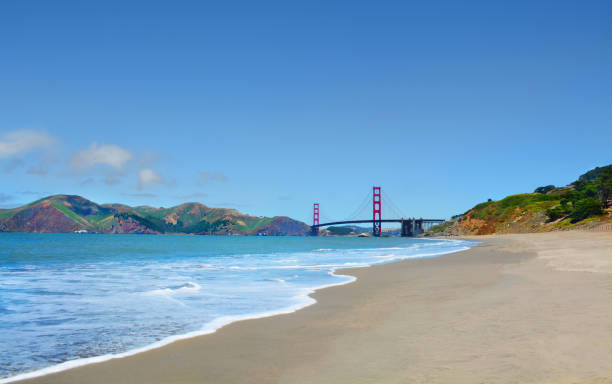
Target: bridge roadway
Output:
[(410, 227), (382, 221)]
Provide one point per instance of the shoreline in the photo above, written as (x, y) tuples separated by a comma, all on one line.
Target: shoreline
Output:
[(218, 323), (412, 320), (207, 329)]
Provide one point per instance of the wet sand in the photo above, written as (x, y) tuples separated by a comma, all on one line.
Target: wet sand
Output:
[(531, 308)]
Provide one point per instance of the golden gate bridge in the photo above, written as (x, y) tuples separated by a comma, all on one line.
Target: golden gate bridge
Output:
[(410, 226)]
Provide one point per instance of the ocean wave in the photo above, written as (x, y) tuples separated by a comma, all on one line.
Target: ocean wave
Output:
[(189, 287), (299, 266), (284, 261), (275, 280), (302, 300)]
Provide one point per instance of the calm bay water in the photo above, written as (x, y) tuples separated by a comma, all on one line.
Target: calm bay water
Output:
[(67, 297)]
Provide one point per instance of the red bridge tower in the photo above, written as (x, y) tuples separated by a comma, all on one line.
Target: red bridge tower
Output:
[(376, 212), (315, 219)]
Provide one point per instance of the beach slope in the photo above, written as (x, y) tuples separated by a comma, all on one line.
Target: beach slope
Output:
[(533, 308)]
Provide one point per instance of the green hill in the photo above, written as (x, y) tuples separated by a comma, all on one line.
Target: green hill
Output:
[(69, 213), (584, 203)]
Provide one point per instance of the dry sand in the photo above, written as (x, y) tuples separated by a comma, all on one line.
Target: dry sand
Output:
[(516, 309)]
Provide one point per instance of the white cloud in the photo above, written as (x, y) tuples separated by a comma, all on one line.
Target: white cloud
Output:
[(206, 177), (22, 141), (148, 176), (109, 154)]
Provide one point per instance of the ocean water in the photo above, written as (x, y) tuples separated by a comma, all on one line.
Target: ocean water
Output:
[(68, 299)]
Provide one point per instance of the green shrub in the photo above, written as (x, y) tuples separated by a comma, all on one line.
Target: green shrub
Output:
[(555, 213), (545, 189), (340, 231), (584, 208)]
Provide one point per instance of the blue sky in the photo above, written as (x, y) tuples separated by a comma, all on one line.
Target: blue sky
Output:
[(270, 106)]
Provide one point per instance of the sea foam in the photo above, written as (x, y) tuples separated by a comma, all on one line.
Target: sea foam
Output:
[(186, 288)]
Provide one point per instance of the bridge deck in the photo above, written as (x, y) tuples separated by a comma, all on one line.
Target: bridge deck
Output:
[(383, 221)]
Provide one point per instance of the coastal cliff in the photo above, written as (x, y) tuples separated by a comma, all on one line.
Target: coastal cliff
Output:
[(585, 203)]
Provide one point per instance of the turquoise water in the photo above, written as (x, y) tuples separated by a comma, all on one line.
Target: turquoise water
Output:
[(70, 299)]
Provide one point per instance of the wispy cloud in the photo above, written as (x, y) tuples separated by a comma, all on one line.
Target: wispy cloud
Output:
[(143, 194), (41, 169), (230, 205), (13, 164), (204, 178), (33, 193), (18, 146), (148, 176), (111, 179), (4, 197), (87, 181), (196, 195), (107, 154), (284, 197), (20, 142)]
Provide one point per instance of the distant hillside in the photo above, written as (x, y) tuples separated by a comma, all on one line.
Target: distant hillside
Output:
[(69, 213), (344, 230), (584, 203)]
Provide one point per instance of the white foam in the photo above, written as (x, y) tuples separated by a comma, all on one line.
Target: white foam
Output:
[(284, 261), (300, 266), (189, 287), (276, 280), (304, 301)]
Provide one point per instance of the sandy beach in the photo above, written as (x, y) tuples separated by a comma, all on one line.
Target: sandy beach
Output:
[(533, 308)]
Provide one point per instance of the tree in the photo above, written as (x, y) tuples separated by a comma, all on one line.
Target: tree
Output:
[(555, 213), (603, 185), (544, 189), (585, 208)]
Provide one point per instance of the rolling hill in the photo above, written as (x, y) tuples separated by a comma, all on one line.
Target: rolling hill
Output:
[(70, 213)]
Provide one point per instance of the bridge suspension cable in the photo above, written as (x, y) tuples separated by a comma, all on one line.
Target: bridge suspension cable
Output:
[(324, 219), (389, 204), (362, 208)]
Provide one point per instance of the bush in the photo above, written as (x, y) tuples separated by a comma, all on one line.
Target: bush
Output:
[(545, 189), (340, 231), (585, 208), (595, 173), (556, 213)]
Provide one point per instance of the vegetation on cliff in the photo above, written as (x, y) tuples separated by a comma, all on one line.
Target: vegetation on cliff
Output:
[(583, 202), (69, 213)]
